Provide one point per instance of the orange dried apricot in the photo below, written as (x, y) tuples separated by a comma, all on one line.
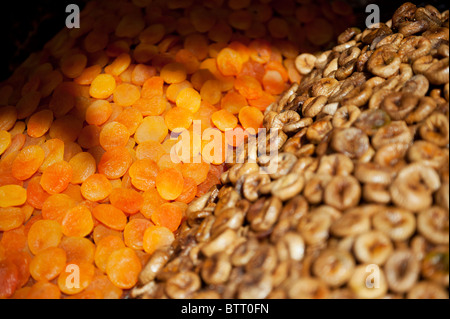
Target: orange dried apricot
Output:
[(152, 34), (189, 191), (44, 234), (156, 237), (211, 91), (96, 187), (196, 171), (102, 86), (251, 117), (88, 74), (110, 216), (27, 162), (107, 288), (48, 264), (168, 215), (89, 136), (127, 200), (115, 162), (104, 248), (44, 290), (169, 183), (8, 117), (113, 134), (173, 72), (224, 120), (66, 128), (11, 218), (149, 150), (14, 240), (152, 200), (126, 94), (36, 195), (77, 222), (119, 65), (78, 248), (9, 276), (131, 118), (12, 195), (233, 102), (189, 99), (133, 233), (28, 104), (98, 112), (229, 62), (141, 73), (22, 261), (56, 177), (5, 141), (178, 118), (152, 128), (83, 165), (248, 87), (143, 173), (39, 123), (123, 268)]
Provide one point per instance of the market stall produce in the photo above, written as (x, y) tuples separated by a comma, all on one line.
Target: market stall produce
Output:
[(99, 200), (358, 206)]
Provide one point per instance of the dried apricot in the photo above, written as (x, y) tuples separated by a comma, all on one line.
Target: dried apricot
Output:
[(78, 248), (12, 195), (83, 165), (133, 233), (11, 218), (169, 183), (56, 206), (56, 177), (113, 134), (102, 86), (123, 268), (105, 247), (152, 128), (156, 237), (77, 222), (44, 234), (110, 216), (115, 162), (168, 215), (229, 62), (152, 200), (127, 200), (9, 277), (48, 264), (143, 173)]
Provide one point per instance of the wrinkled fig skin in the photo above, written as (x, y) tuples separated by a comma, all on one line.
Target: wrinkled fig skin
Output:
[(402, 270), (359, 186)]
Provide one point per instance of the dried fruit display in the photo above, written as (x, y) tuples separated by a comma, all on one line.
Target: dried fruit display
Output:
[(87, 181), (359, 204)]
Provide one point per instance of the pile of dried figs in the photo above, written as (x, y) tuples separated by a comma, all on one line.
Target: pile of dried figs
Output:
[(358, 206)]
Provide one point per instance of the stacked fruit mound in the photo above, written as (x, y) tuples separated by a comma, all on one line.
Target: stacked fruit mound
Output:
[(88, 186), (356, 204)]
